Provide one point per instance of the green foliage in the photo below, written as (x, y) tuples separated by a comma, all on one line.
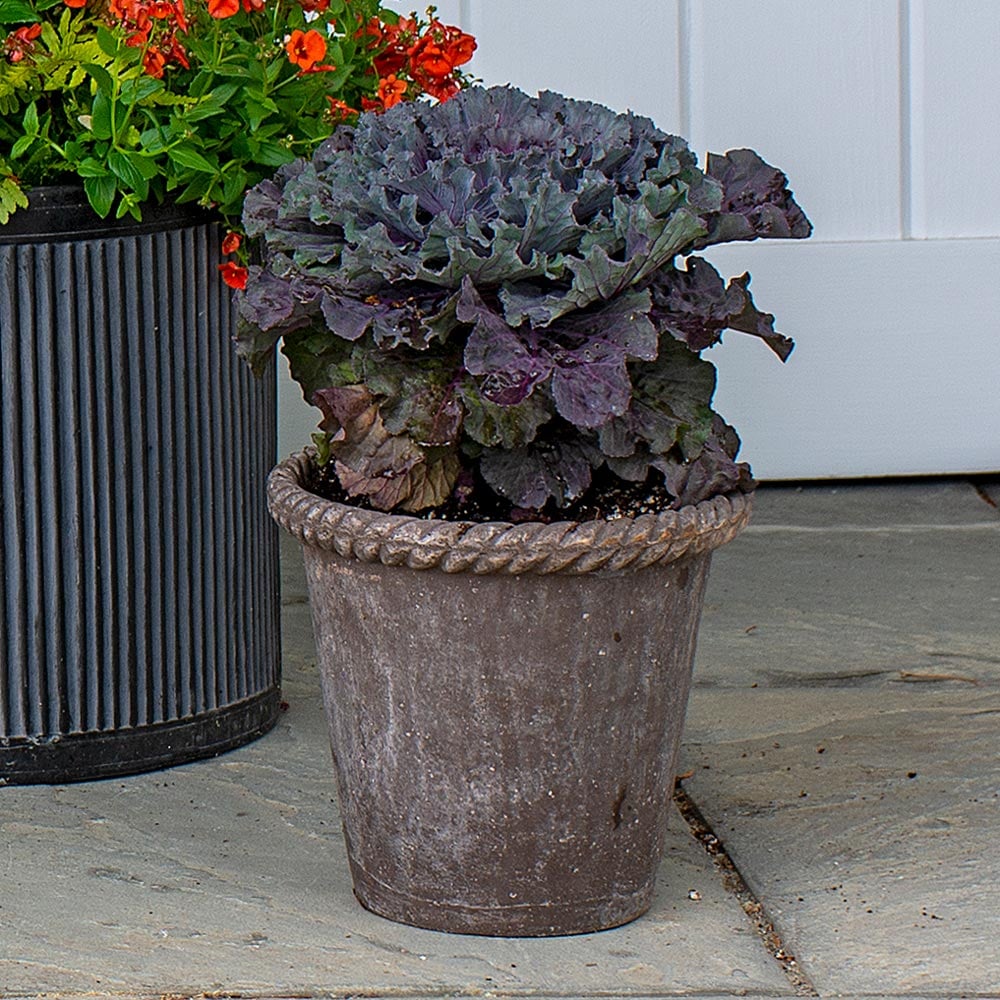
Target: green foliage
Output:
[(195, 101), (11, 198)]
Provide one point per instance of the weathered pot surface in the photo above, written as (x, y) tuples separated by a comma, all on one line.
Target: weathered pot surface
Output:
[(505, 703)]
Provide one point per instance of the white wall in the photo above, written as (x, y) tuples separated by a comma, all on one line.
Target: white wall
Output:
[(884, 114)]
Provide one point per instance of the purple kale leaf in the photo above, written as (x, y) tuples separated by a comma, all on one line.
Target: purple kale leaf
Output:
[(756, 201), (590, 383), (320, 361), (417, 394), (530, 476), (498, 426), (511, 362), (500, 274), (695, 305), (713, 472), (389, 470)]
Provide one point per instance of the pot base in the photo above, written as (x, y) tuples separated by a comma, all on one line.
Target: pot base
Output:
[(132, 750), (525, 920)]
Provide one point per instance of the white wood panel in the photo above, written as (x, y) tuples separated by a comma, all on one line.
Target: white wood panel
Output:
[(814, 88), (569, 46), (895, 366), (955, 117)]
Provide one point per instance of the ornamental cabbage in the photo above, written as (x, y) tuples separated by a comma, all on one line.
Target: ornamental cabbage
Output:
[(510, 286)]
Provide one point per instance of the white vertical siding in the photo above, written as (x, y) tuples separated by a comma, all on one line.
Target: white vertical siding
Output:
[(814, 88), (954, 112), (568, 46)]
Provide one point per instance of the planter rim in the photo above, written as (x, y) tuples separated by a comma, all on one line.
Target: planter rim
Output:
[(59, 213), (500, 547)]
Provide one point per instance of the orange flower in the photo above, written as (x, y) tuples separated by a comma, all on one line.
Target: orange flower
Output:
[(21, 42), (231, 242), (430, 58), (437, 54), (153, 62), (305, 48), (441, 90), (339, 110), (390, 61), (234, 275), (460, 47), (373, 30), (253, 6), (140, 36), (76, 4), (391, 91), (221, 9), (175, 51)]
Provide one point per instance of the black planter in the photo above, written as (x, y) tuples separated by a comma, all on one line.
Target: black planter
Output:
[(138, 565)]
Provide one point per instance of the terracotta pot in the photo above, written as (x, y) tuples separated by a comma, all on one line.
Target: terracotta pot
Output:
[(505, 703), (138, 566)]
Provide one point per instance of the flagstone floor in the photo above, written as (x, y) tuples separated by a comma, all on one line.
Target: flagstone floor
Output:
[(841, 764)]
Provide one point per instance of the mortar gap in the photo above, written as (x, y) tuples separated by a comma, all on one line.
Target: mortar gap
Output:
[(736, 885)]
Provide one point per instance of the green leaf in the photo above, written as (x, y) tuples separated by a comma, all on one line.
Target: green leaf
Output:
[(21, 146), (225, 93), (187, 156), (100, 117), (146, 165), (235, 184), (105, 84), (197, 189), (100, 193), (139, 89), (155, 141), (129, 206), (123, 168), (108, 43), (11, 198), (31, 120), (16, 12), (91, 168), (273, 155), (207, 109)]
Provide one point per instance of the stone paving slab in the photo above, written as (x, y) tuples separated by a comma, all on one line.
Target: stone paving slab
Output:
[(869, 831), (844, 733), (874, 505), (855, 602)]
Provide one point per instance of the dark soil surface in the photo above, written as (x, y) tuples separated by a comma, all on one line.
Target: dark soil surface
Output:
[(472, 500)]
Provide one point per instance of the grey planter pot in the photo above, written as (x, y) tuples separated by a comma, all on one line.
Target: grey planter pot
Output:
[(138, 566), (505, 704)]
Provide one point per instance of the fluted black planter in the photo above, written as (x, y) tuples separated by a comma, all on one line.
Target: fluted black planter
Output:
[(138, 565)]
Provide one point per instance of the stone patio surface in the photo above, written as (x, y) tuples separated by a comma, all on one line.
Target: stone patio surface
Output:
[(840, 806)]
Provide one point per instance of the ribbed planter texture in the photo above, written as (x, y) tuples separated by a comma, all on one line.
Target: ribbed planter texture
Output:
[(138, 566), (505, 703)]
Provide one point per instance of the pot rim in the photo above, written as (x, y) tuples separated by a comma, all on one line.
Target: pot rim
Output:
[(499, 547), (60, 213)]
